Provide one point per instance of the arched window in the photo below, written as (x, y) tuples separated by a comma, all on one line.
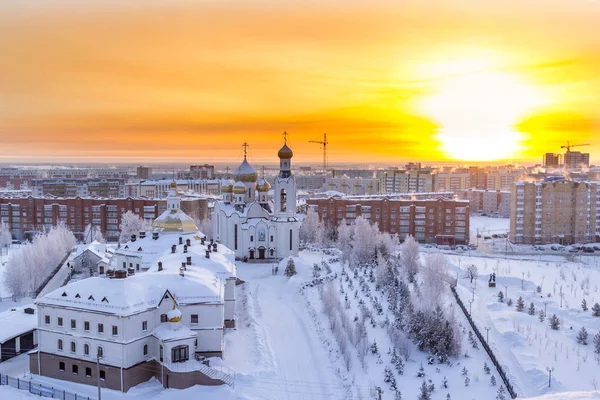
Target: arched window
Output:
[(60, 344), (73, 347), (291, 241), (163, 318), (86, 349), (235, 237), (283, 201), (145, 349), (100, 352)]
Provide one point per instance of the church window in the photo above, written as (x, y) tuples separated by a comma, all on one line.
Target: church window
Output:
[(194, 319), (86, 325), (73, 347), (115, 330), (161, 353), (75, 369), (144, 326), (145, 349), (163, 318), (61, 366), (283, 201), (291, 241), (86, 349), (47, 319), (60, 344), (271, 238), (88, 372), (100, 328), (235, 237), (251, 238), (100, 354), (180, 354), (102, 375), (73, 324)]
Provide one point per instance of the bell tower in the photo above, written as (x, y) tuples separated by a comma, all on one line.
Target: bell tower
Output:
[(284, 189)]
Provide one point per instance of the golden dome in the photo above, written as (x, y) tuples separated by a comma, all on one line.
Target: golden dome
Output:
[(173, 185), (285, 152), (262, 185), (245, 173), (239, 188), (226, 186), (175, 221), (174, 315)]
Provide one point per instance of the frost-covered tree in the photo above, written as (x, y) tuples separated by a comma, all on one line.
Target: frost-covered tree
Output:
[(365, 240), (501, 393), (344, 240), (471, 272), (374, 348), (493, 380), (290, 268), (597, 343), (397, 362), (435, 280), (509, 302), (582, 336), (205, 226), (467, 381), (541, 315), (421, 372), (501, 296), (97, 235), (554, 322), (5, 236), (424, 393), (531, 310), (584, 305), (131, 224), (411, 259), (473, 341), (464, 371), (596, 310), (486, 368), (444, 383), (310, 228), (520, 304)]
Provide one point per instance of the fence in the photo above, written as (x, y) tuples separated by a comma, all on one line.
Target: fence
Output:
[(41, 390), (45, 282), (485, 345), (15, 298)]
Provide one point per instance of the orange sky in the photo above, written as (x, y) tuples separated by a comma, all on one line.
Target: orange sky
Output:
[(158, 81)]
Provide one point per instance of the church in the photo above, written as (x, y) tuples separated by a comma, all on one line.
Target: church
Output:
[(249, 221)]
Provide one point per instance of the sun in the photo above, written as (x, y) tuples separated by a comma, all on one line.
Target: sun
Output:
[(477, 113)]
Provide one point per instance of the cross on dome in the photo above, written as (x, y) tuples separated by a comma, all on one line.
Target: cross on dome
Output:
[(245, 146)]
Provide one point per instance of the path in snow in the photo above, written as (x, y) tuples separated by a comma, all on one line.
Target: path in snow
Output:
[(292, 364)]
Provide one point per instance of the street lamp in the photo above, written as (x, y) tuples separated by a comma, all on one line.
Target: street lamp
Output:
[(470, 304), (522, 279), (487, 334), (550, 370)]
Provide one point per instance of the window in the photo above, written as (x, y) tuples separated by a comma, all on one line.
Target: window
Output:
[(47, 319), (73, 347), (179, 354), (100, 328), (100, 352), (86, 326), (144, 326), (115, 330), (145, 349), (161, 354), (86, 349), (194, 319), (75, 369), (102, 375), (60, 321), (291, 233), (60, 344), (61, 366), (88, 372), (163, 318), (73, 324)]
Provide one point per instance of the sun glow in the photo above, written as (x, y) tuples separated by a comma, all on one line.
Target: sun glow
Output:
[(477, 113)]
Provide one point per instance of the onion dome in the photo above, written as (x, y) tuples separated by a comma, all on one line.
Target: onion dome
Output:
[(239, 188), (226, 186), (175, 221), (245, 172), (173, 185), (285, 152), (174, 315), (262, 185)]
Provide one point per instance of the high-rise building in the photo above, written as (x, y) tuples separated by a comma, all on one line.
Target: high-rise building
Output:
[(143, 172), (577, 159), (491, 202), (560, 211), (551, 160)]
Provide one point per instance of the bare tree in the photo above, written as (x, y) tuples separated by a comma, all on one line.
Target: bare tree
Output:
[(471, 272)]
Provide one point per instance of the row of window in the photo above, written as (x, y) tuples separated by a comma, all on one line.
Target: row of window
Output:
[(75, 370), (86, 348), (86, 325)]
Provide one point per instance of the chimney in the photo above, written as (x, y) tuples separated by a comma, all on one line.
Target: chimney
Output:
[(155, 235), (207, 254), (215, 247), (202, 240), (188, 242), (183, 266), (185, 248), (180, 240), (188, 260), (133, 237), (181, 271), (160, 265), (173, 248), (142, 234)]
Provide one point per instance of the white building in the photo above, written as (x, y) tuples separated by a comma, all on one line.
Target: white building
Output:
[(159, 322), (252, 224)]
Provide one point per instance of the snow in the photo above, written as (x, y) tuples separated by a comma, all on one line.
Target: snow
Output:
[(570, 396), (166, 332), (15, 322)]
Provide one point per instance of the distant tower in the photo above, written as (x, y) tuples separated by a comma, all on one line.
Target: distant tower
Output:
[(247, 175), (173, 200), (285, 184)]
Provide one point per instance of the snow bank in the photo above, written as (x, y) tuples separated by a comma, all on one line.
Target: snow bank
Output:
[(569, 396)]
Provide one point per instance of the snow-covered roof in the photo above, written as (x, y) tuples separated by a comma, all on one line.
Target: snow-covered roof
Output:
[(15, 323), (166, 333)]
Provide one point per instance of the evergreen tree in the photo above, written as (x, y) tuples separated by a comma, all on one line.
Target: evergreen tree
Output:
[(501, 296), (596, 310), (597, 343), (430, 386), (473, 341), (584, 305), (374, 348), (423, 392), (464, 371), (554, 322), (290, 269), (398, 395), (317, 271), (509, 303), (467, 381), (448, 396), (501, 393), (520, 304), (486, 369), (445, 383), (421, 372), (541, 315), (493, 380), (531, 310), (397, 362), (582, 336)]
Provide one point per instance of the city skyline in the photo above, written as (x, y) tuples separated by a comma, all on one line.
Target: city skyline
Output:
[(182, 81)]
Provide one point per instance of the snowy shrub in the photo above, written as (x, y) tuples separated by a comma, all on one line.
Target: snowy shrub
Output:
[(424, 393), (582, 336), (444, 383), (473, 341), (520, 304), (501, 394), (554, 322), (493, 380), (531, 310), (464, 371), (290, 269), (596, 310), (584, 305), (486, 368), (501, 297), (421, 372), (597, 343), (509, 303), (541, 315), (467, 381)]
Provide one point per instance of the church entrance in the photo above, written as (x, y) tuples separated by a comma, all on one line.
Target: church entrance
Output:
[(252, 254), (261, 253)]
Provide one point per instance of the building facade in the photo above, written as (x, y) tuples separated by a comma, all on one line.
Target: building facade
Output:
[(441, 220), (576, 159), (160, 188), (551, 160), (83, 187), (561, 211), (491, 202), (250, 223), (355, 186), (143, 172)]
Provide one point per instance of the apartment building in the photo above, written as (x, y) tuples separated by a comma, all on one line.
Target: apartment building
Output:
[(355, 186), (559, 211), (415, 180), (576, 159), (83, 187), (143, 172), (491, 202), (502, 179), (551, 160), (28, 215), (434, 220), (452, 181), (160, 188)]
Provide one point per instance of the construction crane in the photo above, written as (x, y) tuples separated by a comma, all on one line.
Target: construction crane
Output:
[(324, 144), (569, 145)]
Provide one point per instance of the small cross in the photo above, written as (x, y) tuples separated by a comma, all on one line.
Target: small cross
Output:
[(285, 135), (245, 146)]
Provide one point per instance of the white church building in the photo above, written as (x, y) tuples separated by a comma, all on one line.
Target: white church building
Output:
[(160, 311), (249, 221)]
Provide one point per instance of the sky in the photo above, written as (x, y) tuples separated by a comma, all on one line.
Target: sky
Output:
[(388, 81)]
